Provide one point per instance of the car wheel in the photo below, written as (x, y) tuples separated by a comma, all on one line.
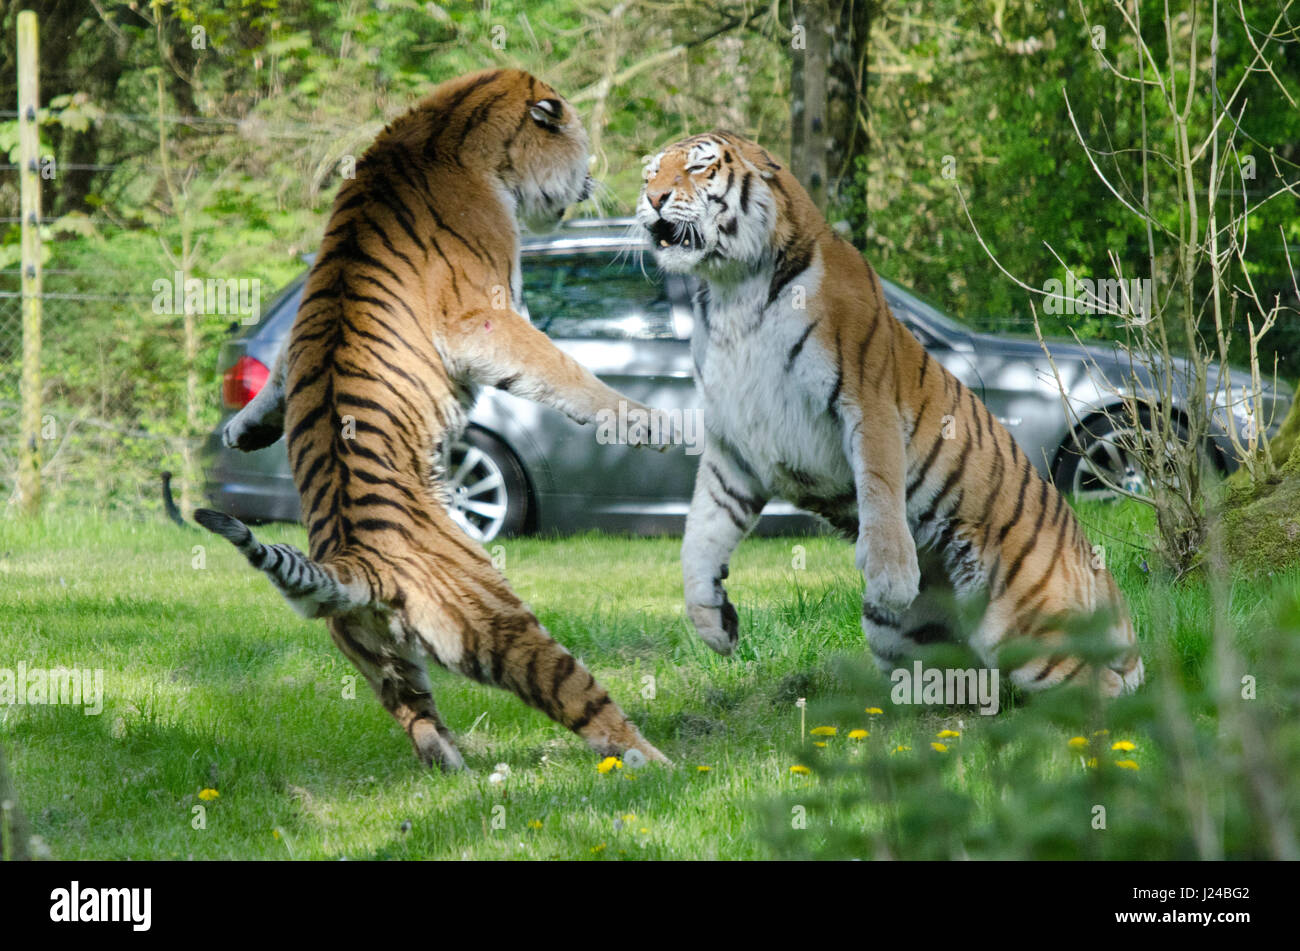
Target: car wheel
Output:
[(1104, 456), (487, 486)]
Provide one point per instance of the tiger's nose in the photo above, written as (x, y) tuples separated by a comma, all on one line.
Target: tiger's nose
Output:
[(657, 199)]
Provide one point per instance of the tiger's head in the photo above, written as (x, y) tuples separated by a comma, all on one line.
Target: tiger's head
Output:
[(715, 203), (520, 128)]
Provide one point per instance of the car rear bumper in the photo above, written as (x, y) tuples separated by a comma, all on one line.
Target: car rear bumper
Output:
[(254, 486), (253, 502)]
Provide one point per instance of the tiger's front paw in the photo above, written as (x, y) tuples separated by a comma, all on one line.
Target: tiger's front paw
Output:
[(249, 437), (887, 560), (652, 428), (717, 625)]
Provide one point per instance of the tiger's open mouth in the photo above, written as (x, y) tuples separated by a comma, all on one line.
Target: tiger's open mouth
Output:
[(666, 234)]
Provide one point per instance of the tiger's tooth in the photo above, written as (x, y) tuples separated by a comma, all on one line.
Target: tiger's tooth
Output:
[(663, 243)]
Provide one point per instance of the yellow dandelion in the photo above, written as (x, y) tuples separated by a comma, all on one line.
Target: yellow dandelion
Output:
[(1127, 764), (703, 769), (608, 763), (207, 795), (629, 817), (275, 833), (875, 711), (947, 734), (938, 747), (821, 743), (1124, 746), (1102, 733), (1092, 763), (644, 831), (1078, 742), (800, 770), (596, 849), (858, 734), (823, 731), (535, 824), (902, 749)]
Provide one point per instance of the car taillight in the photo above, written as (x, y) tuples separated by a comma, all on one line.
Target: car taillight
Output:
[(243, 381)]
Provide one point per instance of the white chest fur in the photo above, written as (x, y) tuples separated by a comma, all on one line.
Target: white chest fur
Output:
[(764, 393)]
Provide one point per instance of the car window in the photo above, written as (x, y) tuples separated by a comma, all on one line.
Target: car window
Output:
[(596, 297), (904, 310)]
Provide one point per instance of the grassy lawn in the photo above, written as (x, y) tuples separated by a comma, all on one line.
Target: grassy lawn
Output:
[(211, 682)]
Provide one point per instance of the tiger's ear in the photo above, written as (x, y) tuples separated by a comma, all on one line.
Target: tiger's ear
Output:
[(546, 112)]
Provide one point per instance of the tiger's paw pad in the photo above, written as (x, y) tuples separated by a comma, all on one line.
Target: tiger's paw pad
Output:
[(717, 625)]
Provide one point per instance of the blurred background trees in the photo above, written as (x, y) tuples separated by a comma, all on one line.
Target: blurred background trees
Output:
[(881, 106)]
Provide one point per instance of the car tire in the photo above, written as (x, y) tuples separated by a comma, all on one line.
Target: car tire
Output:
[(1106, 442), (487, 487)]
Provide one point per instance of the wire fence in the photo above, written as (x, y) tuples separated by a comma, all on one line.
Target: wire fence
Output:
[(113, 372), (110, 411)]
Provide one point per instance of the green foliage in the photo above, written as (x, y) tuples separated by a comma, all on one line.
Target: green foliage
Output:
[(992, 104), (1179, 770), (1260, 525), (263, 101), (212, 682)]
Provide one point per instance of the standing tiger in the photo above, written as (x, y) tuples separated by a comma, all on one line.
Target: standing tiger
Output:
[(412, 303), (814, 391)]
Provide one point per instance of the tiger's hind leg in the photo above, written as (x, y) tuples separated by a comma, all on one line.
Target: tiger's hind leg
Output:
[(513, 651), (482, 629), (1054, 663), (401, 682)]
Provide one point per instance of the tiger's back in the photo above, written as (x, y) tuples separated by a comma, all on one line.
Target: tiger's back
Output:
[(411, 306)]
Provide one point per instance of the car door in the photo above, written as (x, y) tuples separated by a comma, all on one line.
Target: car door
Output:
[(622, 321)]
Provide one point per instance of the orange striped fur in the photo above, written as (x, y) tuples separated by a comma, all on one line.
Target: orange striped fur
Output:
[(814, 392), (410, 306)]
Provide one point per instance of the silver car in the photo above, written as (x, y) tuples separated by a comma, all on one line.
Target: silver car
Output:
[(521, 467)]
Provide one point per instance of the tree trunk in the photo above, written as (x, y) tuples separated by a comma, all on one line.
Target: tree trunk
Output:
[(828, 93), (808, 140), (846, 106), (798, 55)]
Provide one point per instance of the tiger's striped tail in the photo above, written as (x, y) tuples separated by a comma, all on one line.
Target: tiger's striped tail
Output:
[(312, 589)]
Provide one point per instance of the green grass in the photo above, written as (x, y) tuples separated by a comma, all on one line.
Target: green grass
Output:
[(212, 682)]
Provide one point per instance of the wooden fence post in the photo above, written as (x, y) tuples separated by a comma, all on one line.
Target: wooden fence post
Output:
[(29, 464)]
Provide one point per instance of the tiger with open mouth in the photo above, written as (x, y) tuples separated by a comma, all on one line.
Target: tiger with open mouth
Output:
[(813, 391)]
